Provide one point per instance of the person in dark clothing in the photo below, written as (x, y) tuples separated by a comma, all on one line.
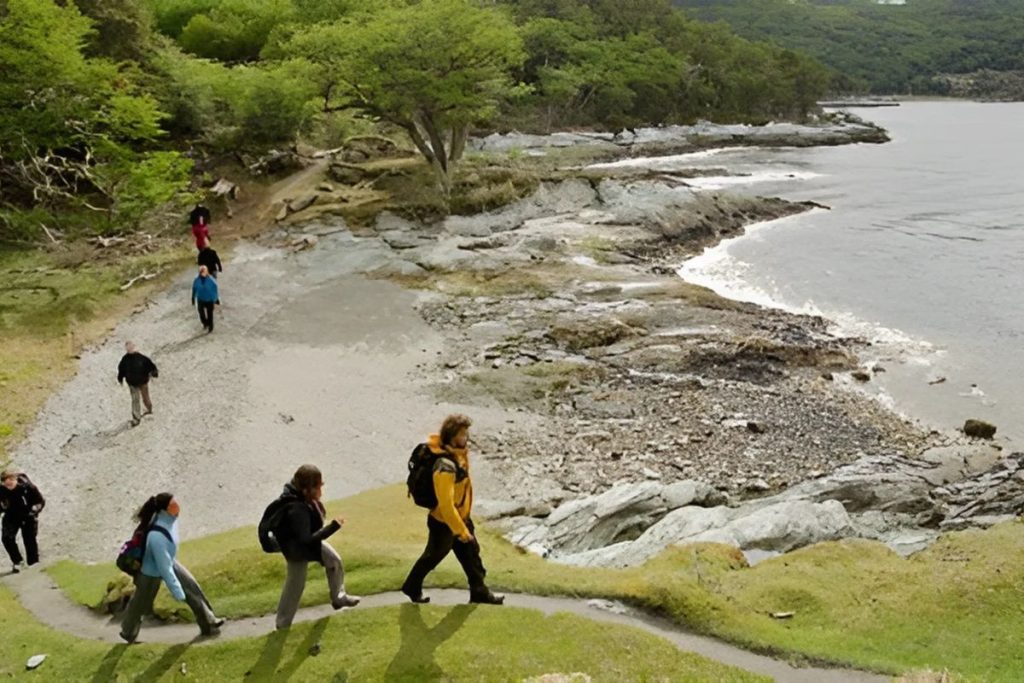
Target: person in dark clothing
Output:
[(199, 215), (21, 502), (137, 369), (209, 258), (300, 533), (449, 525), (205, 295)]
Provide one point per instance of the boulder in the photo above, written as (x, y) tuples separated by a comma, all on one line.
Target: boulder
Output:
[(467, 226), (119, 593), (578, 333), (499, 509), (302, 203), (780, 527), (979, 429), (621, 513), (896, 500), (348, 174)]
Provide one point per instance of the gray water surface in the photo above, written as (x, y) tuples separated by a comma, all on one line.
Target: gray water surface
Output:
[(922, 252)]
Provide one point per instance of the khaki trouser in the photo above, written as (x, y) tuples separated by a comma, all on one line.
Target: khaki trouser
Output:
[(295, 583), (138, 393), (146, 588)]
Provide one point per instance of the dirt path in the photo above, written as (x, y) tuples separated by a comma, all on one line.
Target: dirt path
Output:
[(310, 362), (49, 605)]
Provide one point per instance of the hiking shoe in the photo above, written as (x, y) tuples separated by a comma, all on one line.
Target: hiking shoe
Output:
[(345, 600), (487, 598), (419, 598)]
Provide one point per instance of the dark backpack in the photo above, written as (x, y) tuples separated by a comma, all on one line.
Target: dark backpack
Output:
[(269, 524), (420, 481), (129, 560)]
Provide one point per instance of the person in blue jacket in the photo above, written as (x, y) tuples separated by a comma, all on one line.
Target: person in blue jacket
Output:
[(205, 295), (159, 514)]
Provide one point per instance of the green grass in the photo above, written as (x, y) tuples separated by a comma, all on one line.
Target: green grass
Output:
[(956, 606), (953, 606), (51, 305), (404, 643)]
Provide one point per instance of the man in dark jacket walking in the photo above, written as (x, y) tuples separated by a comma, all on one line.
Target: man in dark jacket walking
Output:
[(21, 503), (137, 369), (209, 258)]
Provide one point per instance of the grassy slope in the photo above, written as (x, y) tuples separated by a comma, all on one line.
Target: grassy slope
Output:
[(404, 643), (953, 606), (48, 311)]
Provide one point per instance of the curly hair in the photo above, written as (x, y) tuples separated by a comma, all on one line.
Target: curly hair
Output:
[(453, 424)]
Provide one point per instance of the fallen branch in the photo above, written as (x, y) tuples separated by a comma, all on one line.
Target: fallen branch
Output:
[(48, 233), (106, 242), (144, 276)]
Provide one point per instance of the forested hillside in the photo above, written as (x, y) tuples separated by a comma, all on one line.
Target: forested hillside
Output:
[(884, 48), (106, 105)]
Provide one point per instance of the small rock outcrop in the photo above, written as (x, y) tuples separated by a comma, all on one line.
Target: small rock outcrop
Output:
[(621, 513), (901, 501), (979, 429)]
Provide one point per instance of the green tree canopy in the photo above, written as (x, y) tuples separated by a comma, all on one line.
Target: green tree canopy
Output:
[(68, 121), (431, 68)]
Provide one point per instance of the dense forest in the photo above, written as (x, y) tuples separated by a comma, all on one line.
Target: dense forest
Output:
[(884, 48), (107, 104)]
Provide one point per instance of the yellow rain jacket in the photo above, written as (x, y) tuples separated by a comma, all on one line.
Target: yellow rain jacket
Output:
[(454, 489)]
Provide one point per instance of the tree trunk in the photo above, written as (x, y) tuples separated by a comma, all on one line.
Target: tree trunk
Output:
[(417, 139), (459, 135), (440, 156)]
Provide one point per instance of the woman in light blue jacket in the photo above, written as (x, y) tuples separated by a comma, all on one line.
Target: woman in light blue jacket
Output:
[(159, 514)]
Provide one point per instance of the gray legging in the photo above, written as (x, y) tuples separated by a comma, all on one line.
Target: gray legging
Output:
[(295, 583), (146, 588)]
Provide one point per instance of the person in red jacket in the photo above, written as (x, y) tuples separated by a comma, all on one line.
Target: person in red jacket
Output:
[(200, 220)]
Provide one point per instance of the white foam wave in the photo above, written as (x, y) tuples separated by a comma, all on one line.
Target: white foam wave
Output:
[(724, 181), (720, 271), (662, 161)]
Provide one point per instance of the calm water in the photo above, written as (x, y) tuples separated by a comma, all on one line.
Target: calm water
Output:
[(923, 252)]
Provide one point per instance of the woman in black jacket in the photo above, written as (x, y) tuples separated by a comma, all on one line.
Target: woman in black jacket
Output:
[(302, 537)]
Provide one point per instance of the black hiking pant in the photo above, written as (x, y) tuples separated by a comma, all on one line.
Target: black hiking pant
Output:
[(28, 525), (206, 314), (441, 541)]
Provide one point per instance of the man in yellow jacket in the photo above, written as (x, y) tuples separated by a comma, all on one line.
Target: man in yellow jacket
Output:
[(449, 524)]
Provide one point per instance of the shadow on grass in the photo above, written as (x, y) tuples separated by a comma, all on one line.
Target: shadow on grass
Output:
[(161, 666), (107, 668), (266, 667), (414, 660)]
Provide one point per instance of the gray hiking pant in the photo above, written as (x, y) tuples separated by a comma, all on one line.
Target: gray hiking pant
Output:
[(140, 394), (295, 583), (146, 588)]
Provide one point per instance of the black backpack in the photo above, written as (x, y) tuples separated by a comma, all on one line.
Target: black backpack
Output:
[(420, 481), (269, 524)]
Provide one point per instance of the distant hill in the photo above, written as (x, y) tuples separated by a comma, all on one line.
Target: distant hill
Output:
[(884, 47)]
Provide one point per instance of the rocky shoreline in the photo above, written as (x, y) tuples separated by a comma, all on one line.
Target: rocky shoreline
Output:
[(565, 304)]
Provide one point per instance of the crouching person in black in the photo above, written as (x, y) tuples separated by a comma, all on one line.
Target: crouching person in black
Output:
[(21, 503)]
